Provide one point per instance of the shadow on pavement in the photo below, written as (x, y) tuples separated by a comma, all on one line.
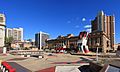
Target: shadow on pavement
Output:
[(18, 67), (85, 60), (85, 68)]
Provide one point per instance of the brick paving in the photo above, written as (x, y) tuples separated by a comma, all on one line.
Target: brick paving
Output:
[(17, 59), (77, 62), (50, 69), (46, 64), (18, 67)]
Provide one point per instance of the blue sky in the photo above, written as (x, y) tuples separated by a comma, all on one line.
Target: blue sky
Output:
[(57, 17)]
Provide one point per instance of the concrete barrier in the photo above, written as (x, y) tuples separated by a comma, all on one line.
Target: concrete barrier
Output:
[(28, 55), (25, 55), (22, 55), (40, 56)]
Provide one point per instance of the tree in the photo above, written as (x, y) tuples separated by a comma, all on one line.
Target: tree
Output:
[(8, 42), (9, 39)]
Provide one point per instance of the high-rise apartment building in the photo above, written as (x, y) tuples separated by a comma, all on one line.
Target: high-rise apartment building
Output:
[(2, 29), (103, 25), (9, 32), (40, 39), (16, 33)]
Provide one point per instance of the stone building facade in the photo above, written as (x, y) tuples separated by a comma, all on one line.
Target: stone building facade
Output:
[(101, 38), (2, 29), (69, 41), (103, 31)]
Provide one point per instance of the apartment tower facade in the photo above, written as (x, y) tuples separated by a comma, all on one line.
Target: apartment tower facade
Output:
[(16, 33), (40, 39), (104, 24), (2, 29)]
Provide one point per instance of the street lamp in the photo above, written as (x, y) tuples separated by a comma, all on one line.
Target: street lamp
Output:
[(97, 44)]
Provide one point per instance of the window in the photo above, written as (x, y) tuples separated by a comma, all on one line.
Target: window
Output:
[(1, 19), (107, 43)]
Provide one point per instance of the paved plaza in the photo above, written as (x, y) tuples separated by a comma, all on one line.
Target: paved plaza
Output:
[(51, 62)]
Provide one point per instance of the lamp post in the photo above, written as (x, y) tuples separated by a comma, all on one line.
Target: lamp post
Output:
[(97, 44)]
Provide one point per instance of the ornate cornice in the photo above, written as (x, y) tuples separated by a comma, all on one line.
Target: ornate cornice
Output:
[(2, 25)]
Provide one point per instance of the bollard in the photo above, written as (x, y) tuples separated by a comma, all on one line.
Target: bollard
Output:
[(22, 55), (40, 56), (4, 50), (28, 55)]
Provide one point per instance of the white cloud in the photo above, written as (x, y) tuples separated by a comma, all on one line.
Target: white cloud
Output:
[(68, 21), (88, 30), (87, 26), (77, 26), (83, 19), (90, 20), (77, 18)]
